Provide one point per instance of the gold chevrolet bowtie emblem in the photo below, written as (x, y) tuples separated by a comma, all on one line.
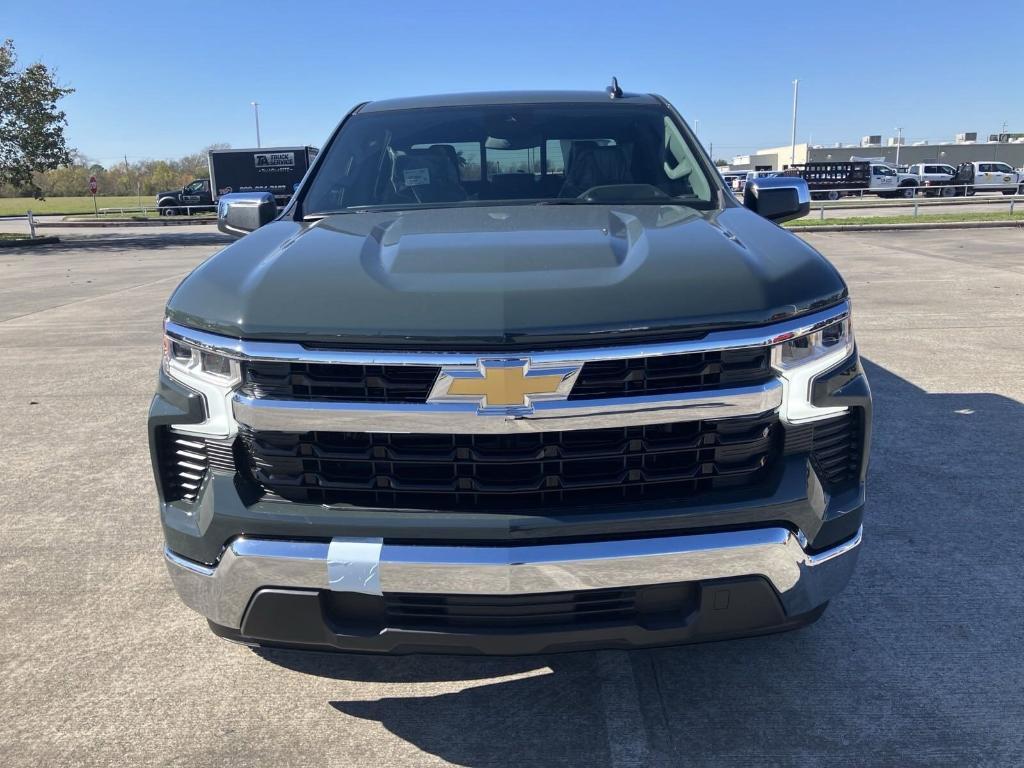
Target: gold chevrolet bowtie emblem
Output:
[(504, 385)]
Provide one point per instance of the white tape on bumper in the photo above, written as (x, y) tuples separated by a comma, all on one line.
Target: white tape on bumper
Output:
[(353, 565)]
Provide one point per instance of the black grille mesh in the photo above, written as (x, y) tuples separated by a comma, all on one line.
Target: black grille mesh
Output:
[(341, 382), (338, 382), (481, 472), (630, 377)]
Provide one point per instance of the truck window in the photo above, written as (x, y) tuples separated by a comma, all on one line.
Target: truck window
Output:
[(508, 153), (1001, 168)]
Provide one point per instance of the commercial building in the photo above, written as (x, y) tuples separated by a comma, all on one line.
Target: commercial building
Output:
[(965, 149)]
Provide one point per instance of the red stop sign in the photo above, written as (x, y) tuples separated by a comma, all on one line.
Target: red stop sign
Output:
[(93, 186)]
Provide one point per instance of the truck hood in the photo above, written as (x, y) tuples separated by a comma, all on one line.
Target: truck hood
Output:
[(506, 277)]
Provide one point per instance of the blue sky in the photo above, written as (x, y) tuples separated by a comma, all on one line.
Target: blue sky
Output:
[(160, 81)]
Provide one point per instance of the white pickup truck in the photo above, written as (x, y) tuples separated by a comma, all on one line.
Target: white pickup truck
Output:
[(935, 179), (885, 181), (992, 177)]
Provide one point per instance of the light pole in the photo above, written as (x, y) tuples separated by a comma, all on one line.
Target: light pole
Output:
[(792, 149), (899, 140), (256, 112)]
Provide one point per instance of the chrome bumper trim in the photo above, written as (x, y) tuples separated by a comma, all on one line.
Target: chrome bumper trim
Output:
[(714, 341), (803, 581), (466, 418)]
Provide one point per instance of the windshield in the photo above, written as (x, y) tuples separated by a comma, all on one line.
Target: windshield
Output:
[(545, 154)]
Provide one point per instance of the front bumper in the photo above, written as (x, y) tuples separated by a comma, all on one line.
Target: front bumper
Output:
[(272, 591)]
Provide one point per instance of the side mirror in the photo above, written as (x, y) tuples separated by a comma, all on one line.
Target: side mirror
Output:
[(778, 198), (242, 212)]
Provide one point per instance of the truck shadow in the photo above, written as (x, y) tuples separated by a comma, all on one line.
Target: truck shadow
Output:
[(917, 663)]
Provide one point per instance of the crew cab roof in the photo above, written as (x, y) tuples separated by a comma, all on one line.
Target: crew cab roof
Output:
[(503, 97)]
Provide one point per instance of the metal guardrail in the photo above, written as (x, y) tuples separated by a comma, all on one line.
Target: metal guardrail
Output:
[(151, 208), (964, 194), (852, 198)]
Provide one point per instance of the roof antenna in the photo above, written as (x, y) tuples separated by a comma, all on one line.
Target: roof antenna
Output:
[(613, 90)]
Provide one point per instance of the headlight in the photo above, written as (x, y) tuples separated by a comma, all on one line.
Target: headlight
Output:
[(211, 374), (800, 358)]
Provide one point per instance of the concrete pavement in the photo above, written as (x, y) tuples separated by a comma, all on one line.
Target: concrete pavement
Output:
[(918, 663)]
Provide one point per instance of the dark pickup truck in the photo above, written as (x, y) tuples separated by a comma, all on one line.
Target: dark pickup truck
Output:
[(511, 373), (277, 170)]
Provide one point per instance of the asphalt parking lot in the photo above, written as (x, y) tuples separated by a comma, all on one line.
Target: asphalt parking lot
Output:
[(919, 662)]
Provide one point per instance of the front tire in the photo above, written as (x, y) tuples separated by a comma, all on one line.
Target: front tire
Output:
[(908, 192), (167, 210), (948, 192)]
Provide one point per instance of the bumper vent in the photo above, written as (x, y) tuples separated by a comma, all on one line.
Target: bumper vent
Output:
[(687, 372), (647, 605), (185, 461), (834, 445), (533, 470), (836, 451)]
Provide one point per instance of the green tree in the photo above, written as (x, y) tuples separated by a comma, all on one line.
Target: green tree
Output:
[(31, 125)]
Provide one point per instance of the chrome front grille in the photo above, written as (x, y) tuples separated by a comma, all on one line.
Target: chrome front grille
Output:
[(442, 430)]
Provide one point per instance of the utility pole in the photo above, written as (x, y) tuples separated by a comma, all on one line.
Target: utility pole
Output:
[(256, 112), (792, 149)]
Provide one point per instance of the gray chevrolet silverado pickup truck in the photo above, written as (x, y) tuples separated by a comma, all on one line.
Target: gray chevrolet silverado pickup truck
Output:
[(511, 373)]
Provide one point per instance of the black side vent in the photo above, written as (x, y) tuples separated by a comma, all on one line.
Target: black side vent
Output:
[(837, 449), (834, 446), (185, 461)]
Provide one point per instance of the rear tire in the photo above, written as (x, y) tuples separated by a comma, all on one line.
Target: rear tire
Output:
[(948, 192), (908, 192), (833, 195)]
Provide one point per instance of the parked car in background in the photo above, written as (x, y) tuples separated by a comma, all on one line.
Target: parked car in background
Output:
[(934, 178), (734, 180), (739, 179), (277, 170), (981, 176), (831, 180), (999, 176)]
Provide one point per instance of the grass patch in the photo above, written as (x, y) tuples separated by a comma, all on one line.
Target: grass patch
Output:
[(16, 206), (928, 218), (12, 236)]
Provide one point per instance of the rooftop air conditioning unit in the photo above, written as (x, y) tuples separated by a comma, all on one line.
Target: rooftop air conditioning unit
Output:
[(967, 138), (920, 144), (871, 141), (894, 141)]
